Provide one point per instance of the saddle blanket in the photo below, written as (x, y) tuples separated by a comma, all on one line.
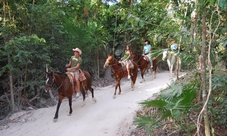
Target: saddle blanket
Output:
[(124, 64), (71, 76)]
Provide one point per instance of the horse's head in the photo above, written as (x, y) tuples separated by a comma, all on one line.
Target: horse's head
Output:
[(164, 55), (134, 56), (109, 61), (49, 80)]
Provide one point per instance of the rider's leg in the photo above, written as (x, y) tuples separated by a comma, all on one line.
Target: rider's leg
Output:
[(128, 70), (150, 59), (77, 85), (76, 79)]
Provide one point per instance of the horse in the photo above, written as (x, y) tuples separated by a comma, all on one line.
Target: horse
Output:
[(144, 64), (119, 70), (65, 88), (171, 60)]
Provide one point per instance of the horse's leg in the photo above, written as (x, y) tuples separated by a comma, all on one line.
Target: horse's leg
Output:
[(142, 75), (169, 64), (70, 105), (114, 96), (83, 94), (58, 106), (92, 94), (178, 66), (172, 64), (117, 85), (133, 81)]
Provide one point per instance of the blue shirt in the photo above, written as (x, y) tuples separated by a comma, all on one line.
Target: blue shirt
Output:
[(174, 47), (147, 48)]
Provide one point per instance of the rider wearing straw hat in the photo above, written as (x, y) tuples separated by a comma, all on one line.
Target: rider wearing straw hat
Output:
[(74, 66)]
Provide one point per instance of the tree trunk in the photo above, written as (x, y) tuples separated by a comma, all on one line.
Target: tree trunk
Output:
[(9, 62), (11, 86), (98, 65), (203, 74)]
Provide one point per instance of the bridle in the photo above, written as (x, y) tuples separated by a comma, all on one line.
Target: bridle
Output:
[(115, 70), (139, 60), (52, 83)]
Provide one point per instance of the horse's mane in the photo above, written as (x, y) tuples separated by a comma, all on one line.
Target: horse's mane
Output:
[(62, 74)]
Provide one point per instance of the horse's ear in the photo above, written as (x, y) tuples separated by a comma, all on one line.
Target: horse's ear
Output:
[(46, 67)]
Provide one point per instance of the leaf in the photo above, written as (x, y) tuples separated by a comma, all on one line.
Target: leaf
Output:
[(223, 4), (143, 121), (154, 103), (224, 44), (212, 2)]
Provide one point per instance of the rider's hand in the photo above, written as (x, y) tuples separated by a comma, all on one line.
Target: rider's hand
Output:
[(68, 69)]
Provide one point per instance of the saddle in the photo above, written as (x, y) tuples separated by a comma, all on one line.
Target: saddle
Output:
[(146, 58), (71, 76)]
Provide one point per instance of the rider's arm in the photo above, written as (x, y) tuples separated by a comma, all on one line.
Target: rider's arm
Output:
[(74, 68), (150, 48), (68, 65)]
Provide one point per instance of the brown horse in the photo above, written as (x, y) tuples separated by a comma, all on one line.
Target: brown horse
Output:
[(119, 70), (144, 64), (65, 88)]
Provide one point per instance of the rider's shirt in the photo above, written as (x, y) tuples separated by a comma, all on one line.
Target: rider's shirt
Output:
[(75, 60), (174, 47), (127, 53), (147, 48)]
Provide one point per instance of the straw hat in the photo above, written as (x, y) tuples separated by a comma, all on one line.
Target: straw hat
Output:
[(78, 50)]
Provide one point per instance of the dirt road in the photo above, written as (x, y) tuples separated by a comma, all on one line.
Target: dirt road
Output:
[(107, 117)]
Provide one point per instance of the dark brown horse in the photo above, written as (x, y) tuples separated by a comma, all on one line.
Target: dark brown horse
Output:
[(119, 70), (144, 64), (65, 88)]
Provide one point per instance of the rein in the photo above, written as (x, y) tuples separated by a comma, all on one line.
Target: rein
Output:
[(116, 64), (60, 84), (139, 60)]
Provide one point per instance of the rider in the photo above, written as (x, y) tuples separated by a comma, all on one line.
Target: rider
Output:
[(74, 65), (147, 51), (126, 59)]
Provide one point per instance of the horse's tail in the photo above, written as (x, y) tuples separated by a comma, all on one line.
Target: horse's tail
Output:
[(88, 81), (135, 71)]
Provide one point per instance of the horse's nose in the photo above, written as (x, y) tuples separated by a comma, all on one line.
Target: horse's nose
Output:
[(47, 89)]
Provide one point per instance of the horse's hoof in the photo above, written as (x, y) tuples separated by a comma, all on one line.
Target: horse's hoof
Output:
[(83, 104), (69, 114), (114, 96), (55, 120), (94, 100)]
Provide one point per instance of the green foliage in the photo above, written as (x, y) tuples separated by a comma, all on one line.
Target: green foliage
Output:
[(24, 50), (218, 102), (176, 102)]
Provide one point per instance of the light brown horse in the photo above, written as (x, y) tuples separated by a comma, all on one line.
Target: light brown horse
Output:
[(119, 70), (172, 59), (144, 64), (65, 88)]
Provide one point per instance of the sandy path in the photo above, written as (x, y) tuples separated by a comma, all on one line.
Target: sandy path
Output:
[(107, 117)]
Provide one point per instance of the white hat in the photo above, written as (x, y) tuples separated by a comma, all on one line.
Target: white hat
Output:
[(77, 49)]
